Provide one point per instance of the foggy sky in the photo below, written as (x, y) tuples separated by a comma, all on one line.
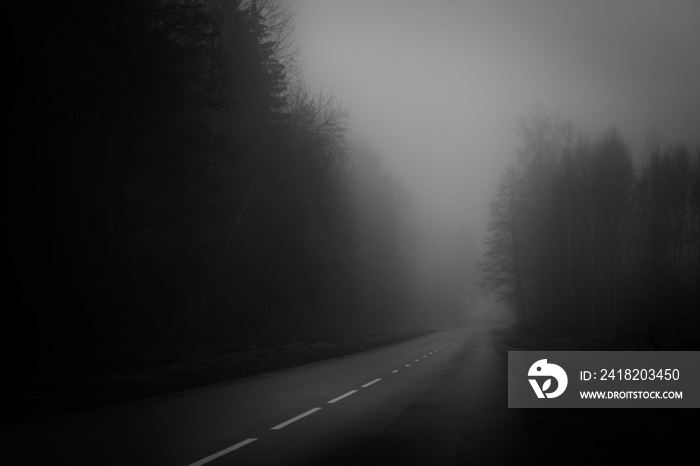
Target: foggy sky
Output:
[(437, 86)]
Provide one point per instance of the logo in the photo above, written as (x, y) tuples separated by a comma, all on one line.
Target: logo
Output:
[(544, 369)]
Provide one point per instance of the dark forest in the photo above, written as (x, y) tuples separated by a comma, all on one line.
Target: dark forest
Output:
[(584, 244), (215, 258), (176, 187)]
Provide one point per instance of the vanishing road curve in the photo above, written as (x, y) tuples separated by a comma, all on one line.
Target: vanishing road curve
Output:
[(438, 399)]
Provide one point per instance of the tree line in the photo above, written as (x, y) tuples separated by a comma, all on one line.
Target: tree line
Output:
[(584, 243), (175, 184)]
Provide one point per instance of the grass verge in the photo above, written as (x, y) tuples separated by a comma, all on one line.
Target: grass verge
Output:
[(35, 401)]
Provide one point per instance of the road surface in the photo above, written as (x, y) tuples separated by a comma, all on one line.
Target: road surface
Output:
[(438, 399)]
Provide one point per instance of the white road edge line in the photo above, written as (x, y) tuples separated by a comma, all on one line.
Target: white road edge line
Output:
[(286, 423), (370, 383), (223, 452), (343, 396)]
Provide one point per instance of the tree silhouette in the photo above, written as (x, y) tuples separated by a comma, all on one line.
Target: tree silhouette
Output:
[(581, 245)]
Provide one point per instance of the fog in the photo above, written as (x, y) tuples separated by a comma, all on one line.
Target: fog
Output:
[(438, 87), (200, 187), (210, 190)]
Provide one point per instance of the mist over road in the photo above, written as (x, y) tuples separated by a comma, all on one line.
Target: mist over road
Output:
[(437, 399)]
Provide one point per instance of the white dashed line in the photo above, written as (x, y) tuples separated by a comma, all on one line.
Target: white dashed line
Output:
[(223, 452), (286, 423), (294, 419), (370, 383), (343, 396)]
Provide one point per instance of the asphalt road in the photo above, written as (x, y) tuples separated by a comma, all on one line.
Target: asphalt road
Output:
[(439, 399)]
